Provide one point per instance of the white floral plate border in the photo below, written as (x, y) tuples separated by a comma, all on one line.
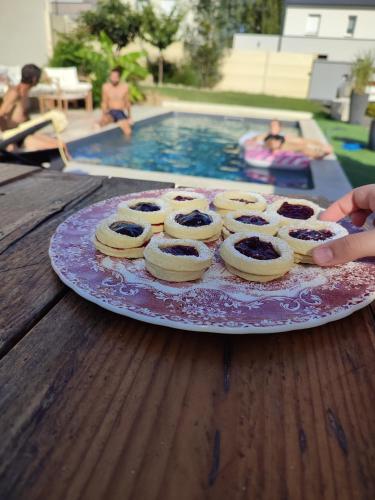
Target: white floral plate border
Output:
[(307, 296)]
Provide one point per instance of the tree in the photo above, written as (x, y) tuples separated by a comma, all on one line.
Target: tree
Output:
[(263, 16), (255, 16), (114, 18), (204, 42), (160, 30)]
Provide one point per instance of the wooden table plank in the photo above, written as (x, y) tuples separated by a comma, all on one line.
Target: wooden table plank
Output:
[(26, 203), (99, 406), (9, 173), (29, 285)]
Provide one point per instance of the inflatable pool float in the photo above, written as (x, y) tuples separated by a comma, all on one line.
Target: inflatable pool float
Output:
[(249, 135), (264, 158)]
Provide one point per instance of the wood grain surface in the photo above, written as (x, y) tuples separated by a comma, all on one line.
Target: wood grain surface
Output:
[(9, 173), (29, 285), (95, 406)]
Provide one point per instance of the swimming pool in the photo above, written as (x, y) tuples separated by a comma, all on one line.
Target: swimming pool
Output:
[(189, 144)]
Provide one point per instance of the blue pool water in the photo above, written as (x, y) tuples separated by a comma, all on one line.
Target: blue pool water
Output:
[(188, 144)]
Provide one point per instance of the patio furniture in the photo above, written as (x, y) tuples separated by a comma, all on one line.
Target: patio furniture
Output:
[(101, 407), (69, 87), (11, 75)]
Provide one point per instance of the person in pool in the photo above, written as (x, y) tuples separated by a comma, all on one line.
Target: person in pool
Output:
[(116, 107), (358, 204), (275, 140)]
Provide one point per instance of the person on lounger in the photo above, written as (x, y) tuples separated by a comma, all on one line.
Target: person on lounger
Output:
[(116, 107), (14, 110), (274, 140)]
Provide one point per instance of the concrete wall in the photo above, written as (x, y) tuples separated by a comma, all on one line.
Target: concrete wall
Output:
[(25, 32), (272, 73), (244, 41), (326, 76), (335, 49), (334, 21)]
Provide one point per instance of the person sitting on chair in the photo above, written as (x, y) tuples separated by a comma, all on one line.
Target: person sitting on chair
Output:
[(14, 111), (116, 107)]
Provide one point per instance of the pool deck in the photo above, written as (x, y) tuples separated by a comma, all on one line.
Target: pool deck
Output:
[(329, 179)]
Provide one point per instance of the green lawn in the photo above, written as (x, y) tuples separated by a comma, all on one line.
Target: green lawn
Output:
[(359, 166), (238, 99)]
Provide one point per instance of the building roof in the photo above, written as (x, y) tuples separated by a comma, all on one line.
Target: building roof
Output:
[(332, 3)]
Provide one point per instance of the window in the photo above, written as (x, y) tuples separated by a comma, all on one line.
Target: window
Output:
[(352, 21), (312, 24)]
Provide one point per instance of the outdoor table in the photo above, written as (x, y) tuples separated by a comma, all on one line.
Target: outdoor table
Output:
[(96, 406)]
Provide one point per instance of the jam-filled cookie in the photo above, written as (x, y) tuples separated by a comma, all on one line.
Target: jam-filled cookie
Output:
[(177, 259), (303, 237), (122, 238), (228, 201), (186, 200), (202, 225), (293, 210), (256, 257), (242, 221), (151, 210)]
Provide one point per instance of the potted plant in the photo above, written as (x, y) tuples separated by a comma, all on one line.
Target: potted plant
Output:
[(362, 71)]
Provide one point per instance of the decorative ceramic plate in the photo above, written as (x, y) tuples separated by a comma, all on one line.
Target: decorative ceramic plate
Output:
[(307, 296)]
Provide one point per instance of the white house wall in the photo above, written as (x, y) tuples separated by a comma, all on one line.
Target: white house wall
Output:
[(25, 32), (333, 23)]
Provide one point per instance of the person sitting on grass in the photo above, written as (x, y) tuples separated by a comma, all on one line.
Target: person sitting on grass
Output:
[(116, 107), (275, 141), (358, 204), (14, 110)]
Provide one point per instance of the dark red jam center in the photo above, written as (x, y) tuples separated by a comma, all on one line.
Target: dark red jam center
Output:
[(295, 211), (126, 228), (181, 250), (252, 219), (257, 249), (242, 200), (183, 198), (193, 219), (311, 234), (145, 207)]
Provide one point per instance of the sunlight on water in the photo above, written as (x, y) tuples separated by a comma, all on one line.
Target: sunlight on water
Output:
[(190, 145)]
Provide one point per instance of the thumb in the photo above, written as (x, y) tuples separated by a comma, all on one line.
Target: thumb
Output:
[(345, 249)]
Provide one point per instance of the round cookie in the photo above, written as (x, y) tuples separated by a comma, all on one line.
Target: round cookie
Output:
[(229, 201), (292, 210), (120, 238), (151, 210), (242, 221), (186, 200), (177, 259), (256, 257), (303, 237), (202, 225)]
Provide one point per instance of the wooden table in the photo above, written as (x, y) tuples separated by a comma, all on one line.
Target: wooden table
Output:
[(97, 406)]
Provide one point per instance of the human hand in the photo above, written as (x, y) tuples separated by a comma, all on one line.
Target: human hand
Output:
[(358, 204)]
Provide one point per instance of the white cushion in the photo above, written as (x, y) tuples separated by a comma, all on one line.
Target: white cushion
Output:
[(12, 73), (64, 76), (67, 79)]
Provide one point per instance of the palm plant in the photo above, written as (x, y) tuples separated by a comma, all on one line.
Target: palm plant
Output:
[(362, 71), (103, 60)]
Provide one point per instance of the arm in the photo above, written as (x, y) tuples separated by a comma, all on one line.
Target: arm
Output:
[(9, 101), (104, 104), (127, 104), (358, 204)]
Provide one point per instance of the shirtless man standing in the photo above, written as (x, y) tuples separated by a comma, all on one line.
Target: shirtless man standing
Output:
[(116, 105), (14, 110)]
